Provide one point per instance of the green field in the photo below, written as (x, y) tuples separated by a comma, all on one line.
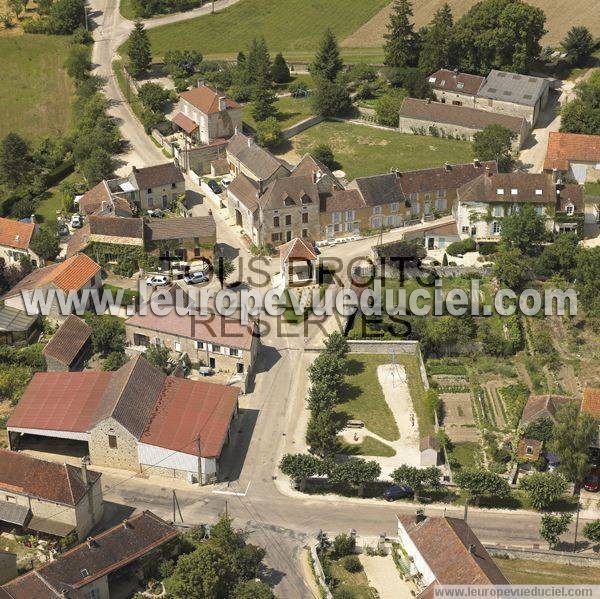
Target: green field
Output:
[(291, 111), (522, 571), (35, 91), (363, 150), (290, 26)]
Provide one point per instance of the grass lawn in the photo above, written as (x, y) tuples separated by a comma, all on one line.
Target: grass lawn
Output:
[(35, 91), (305, 78), (355, 582), (47, 209), (363, 150), (287, 25), (126, 9), (522, 571), (466, 454), (369, 447), (592, 189), (291, 111)]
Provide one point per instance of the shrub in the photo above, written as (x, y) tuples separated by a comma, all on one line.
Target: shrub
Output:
[(461, 247), (351, 563), (486, 249), (343, 544)]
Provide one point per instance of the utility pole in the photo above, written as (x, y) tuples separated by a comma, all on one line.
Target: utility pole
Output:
[(576, 525), (226, 510), (176, 503), (466, 509), (199, 461)]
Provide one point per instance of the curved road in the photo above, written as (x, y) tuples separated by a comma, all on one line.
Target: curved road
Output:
[(280, 520)]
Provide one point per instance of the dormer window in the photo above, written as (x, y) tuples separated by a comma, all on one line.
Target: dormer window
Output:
[(570, 209), (539, 192), (514, 192), (287, 201), (460, 85), (305, 199), (500, 191)]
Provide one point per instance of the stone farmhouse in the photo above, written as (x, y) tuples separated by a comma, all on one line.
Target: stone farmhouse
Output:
[(69, 347), (573, 157), (423, 117), (104, 565), (105, 199), (136, 418), (206, 115), (500, 92), (48, 497), (486, 200), (15, 240), (444, 551)]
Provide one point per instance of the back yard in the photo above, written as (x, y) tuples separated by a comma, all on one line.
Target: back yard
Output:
[(291, 111), (363, 150)]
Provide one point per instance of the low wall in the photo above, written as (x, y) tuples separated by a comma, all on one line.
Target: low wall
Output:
[(407, 348), (301, 126), (319, 572), (540, 555)]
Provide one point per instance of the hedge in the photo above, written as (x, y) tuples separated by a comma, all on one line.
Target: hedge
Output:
[(461, 247)]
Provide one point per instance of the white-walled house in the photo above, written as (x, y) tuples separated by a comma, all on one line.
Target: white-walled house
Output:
[(15, 240), (573, 157)]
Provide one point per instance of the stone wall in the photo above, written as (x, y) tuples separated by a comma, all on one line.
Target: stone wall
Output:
[(301, 126), (407, 348), (89, 510), (541, 555), (124, 456)]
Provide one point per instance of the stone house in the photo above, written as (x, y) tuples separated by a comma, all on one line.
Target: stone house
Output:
[(104, 565), (156, 186), (111, 230), (325, 180), (486, 200), (107, 198), (135, 418), (342, 213), (440, 236), (205, 115), (15, 239), (74, 275), (423, 117), (453, 87), (542, 406), (573, 157), (70, 346), (49, 497)]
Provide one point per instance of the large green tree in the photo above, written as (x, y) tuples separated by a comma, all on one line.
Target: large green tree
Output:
[(553, 526), (16, 161), (512, 268), (327, 63), (495, 143), (263, 102), (328, 369), (45, 243), (591, 531), (66, 16), (543, 488), (401, 47), (480, 483), (257, 64), (331, 98), (357, 473), (559, 257), (587, 275), (436, 48), (108, 333), (321, 433), (337, 345), (523, 230), (280, 72), (417, 479), (139, 50), (578, 45), (300, 467), (582, 115)]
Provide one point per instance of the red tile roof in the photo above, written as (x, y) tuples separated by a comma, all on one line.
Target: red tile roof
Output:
[(60, 483), (188, 409), (296, 249), (207, 100), (453, 81), (566, 147), (69, 340), (15, 234), (534, 454), (591, 401), (185, 123)]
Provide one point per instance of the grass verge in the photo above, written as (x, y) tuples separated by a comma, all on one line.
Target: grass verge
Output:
[(522, 571)]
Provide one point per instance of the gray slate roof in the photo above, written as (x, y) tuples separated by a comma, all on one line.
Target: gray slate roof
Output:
[(380, 189), (180, 228), (258, 160), (512, 87)]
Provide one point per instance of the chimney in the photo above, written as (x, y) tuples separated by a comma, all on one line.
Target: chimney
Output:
[(447, 166), (420, 516), (260, 187), (84, 473), (134, 168), (236, 130), (314, 177), (126, 524), (222, 105), (200, 83), (455, 72), (249, 141), (428, 100), (488, 171), (32, 219), (554, 175), (476, 162), (472, 549)]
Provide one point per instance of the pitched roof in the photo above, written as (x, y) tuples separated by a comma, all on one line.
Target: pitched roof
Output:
[(296, 249), (290, 191), (187, 410), (70, 275), (15, 234), (342, 199), (463, 116), (115, 226), (157, 175), (535, 449), (258, 160), (105, 553), (444, 229), (452, 551), (429, 442), (203, 227), (68, 340), (571, 193), (185, 123), (539, 405), (509, 187), (512, 87), (380, 189), (60, 483), (245, 190), (79, 240), (309, 165), (591, 401), (454, 81), (571, 147), (93, 198), (206, 99), (15, 320)]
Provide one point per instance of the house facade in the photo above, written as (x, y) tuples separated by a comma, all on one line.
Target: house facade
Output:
[(453, 87), (15, 240)]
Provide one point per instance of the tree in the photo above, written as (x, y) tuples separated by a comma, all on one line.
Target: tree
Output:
[(323, 153), (16, 7), (321, 433), (582, 115), (578, 45), (268, 132), (413, 81), (331, 98), (512, 269), (328, 369), (108, 333), (401, 45), (16, 161), (153, 96), (263, 103), (158, 355), (258, 63), (387, 107), (495, 143), (321, 397), (114, 361), (66, 16), (337, 346), (574, 433), (139, 50), (552, 526), (444, 333), (252, 589), (417, 479), (523, 230), (327, 63), (436, 42), (224, 269), (342, 545), (78, 64), (591, 531), (479, 483), (543, 488), (587, 275), (559, 257), (300, 467), (97, 166), (280, 71), (45, 244), (541, 429), (357, 473)]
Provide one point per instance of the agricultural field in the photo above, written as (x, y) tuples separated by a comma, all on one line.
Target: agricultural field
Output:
[(35, 91), (577, 12), (363, 150), (290, 26)]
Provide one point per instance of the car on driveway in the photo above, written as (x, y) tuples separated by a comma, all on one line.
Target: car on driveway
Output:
[(77, 221), (195, 277), (215, 187), (394, 492), (157, 280), (592, 483)]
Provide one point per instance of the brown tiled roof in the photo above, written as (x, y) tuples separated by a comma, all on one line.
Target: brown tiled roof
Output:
[(185, 123), (181, 228), (452, 551), (79, 240), (105, 553), (342, 199), (157, 175), (296, 249), (309, 165), (591, 401), (536, 447), (70, 275), (530, 188), (429, 442), (15, 234), (290, 191), (115, 226), (93, 198), (463, 116), (69, 340), (446, 229), (206, 99), (454, 81), (571, 194), (258, 160), (380, 189), (541, 405), (245, 190), (59, 483), (566, 147)]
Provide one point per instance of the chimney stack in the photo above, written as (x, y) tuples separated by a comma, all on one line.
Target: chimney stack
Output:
[(126, 524), (488, 171), (472, 549), (249, 141), (476, 162), (84, 473), (90, 542), (222, 105), (420, 516), (447, 166), (32, 219), (200, 83)]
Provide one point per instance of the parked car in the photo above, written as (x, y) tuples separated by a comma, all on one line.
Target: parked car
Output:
[(157, 280), (592, 483), (63, 230), (195, 277), (155, 213), (397, 492), (226, 181), (216, 188), (77, 221)]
